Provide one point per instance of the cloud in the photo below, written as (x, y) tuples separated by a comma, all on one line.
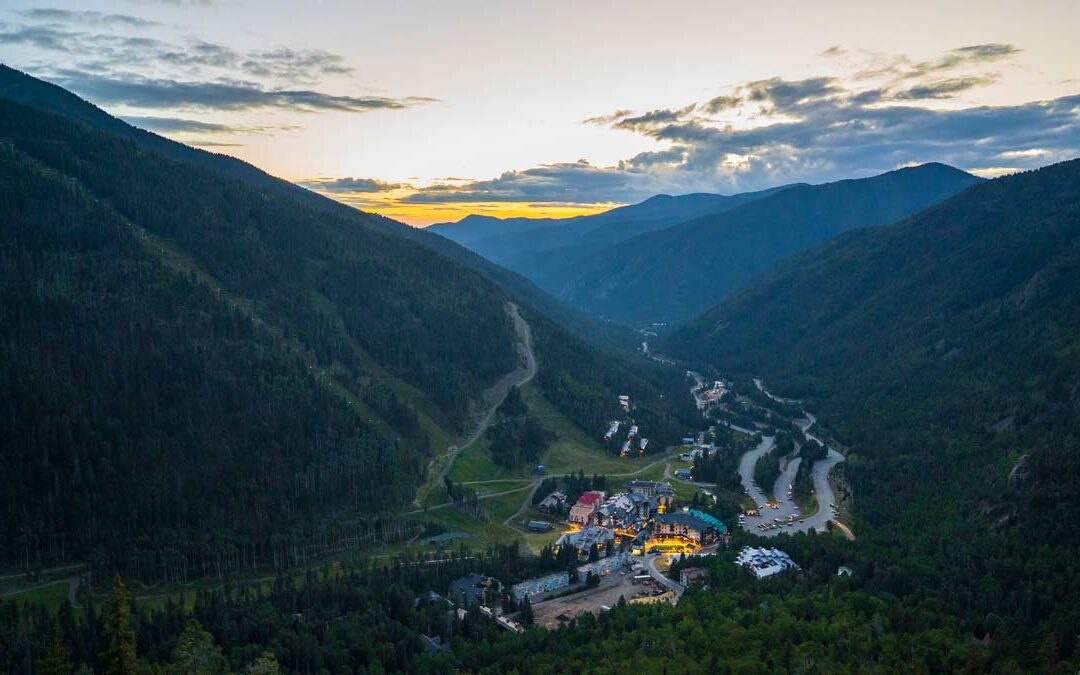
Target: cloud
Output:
[(605, 120), (901, 67), (814, 129), (665, 116), (295, 65), (176, 124), (567, 182), (147, 93), (105, 52), (146, 72), (943, 88), (721, 103), (355, 185), (782, 94), (181, 125), (181, 3), (85, 17)]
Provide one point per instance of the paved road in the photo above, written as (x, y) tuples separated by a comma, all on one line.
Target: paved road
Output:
[(820, 475), (670, 476), (660, 577), (779, 399), (746, 468), (530, 486)]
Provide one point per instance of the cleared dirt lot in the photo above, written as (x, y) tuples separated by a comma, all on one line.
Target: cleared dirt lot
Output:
[(593, 600)]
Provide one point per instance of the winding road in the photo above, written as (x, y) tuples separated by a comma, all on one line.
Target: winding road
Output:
[(497, 392), (817, 521)]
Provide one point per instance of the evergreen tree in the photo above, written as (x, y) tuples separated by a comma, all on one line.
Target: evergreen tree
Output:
[(196, 653), (526, 614), (266, 664), (119, 658), (57, 661)]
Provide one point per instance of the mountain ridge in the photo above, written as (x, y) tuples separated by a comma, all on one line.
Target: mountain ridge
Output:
[(671, 274)]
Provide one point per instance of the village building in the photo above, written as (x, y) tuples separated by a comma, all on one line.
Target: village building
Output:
[(556, 501), (765, 562), (581, 512), (661, 495), (433, 644), (693, 575), (475, 589), (533, 587), (696, 526), (604, 566), (584, 539), (617, 512)]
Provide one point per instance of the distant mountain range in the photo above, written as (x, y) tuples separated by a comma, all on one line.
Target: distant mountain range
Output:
[(525, 242), (668, 258), (548, 250)]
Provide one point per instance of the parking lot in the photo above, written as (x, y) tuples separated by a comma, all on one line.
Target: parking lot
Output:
[(595, 600)]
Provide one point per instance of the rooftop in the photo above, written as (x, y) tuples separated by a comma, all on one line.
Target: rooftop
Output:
[(711, 520), (687, 520), (590, 497)]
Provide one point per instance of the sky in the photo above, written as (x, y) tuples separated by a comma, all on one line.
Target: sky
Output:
[(429, 111)]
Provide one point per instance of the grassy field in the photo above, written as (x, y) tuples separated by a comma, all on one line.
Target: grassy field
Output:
[(50, 596), (474, 463), (572, 451), (485, 532), (485, 489)]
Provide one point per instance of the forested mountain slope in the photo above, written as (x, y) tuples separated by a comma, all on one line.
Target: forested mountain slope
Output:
[(184, 352), (673, 274), (945, 350), (199, 372), (22, 88)]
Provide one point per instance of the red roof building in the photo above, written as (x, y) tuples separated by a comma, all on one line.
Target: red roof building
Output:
[(586, 505)]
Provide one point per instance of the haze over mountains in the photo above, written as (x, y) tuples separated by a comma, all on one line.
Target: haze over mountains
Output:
[(670, 257)]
